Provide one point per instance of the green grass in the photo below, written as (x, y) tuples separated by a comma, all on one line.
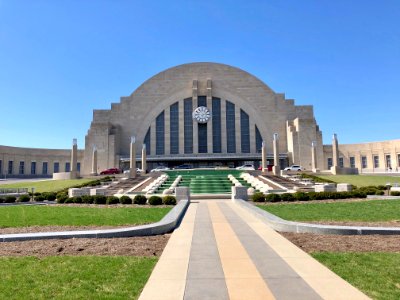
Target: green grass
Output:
[(371, 211), (47, 185), (69, 277), (362, 180), (376, 274), (21, 216)]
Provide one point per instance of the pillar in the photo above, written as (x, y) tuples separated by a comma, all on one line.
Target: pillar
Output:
[(74, 155), (132, 163), (144, 158), (276, 168), (335, 151), (314, 156), (94, 161), (263, 158)]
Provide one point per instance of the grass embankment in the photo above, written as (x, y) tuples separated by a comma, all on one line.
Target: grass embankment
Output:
[(362, 180), (79, 277), (22, 216), (46, 185), (365, 211), (376, 274)]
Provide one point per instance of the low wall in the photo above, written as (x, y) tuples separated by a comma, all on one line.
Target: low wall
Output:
[(65, 175)]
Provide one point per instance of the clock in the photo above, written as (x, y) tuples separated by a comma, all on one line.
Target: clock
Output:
[(201, 114)]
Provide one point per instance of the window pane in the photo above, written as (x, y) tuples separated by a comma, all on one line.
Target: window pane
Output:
[(44, 168), (10, 167), (329, 162), (21, 167), (363, 162), (67, 167), (56, 167), (33, 168), (352, 162), (147, 142), (258, 140)]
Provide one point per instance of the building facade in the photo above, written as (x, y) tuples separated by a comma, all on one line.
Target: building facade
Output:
[(203, 115)]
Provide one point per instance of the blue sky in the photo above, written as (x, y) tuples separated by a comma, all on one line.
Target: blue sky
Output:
[(59, 60)]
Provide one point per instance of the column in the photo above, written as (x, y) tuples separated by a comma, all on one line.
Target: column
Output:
[(264, 158), (74, 155), (314, 156), (94, 161), (132, 163), (335, 151), (144, 159), (276, 168)]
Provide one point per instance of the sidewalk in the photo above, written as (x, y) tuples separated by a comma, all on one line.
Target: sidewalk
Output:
[(221, 251)]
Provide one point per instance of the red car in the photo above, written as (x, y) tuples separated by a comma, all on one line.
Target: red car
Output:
[(110, 171)]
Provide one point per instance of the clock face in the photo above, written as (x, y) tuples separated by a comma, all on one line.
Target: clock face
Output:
[(201, 114)]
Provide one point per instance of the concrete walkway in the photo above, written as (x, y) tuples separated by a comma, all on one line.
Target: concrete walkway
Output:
[(221, 251)]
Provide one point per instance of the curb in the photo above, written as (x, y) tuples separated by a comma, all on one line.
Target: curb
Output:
[(165, 225), (279, 224)]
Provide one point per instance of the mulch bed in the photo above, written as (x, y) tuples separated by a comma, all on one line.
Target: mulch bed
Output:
[(344, 243), (134, 246)]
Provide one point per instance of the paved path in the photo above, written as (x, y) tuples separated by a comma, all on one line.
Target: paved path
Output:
[(221, 251)]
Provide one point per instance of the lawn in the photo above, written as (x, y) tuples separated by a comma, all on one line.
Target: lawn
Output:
[(21, 216), (365, 211), (376, 274), (74, 277), (362, 180), (46, 185)]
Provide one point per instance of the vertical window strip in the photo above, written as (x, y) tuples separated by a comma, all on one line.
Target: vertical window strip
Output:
[(188, 126), (147, 141), (245, 132), (230, 127), (216, 123), (259, 140), (160, 134), (174, 128)]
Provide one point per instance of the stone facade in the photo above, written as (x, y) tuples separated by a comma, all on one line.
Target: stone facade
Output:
[(39, 157)]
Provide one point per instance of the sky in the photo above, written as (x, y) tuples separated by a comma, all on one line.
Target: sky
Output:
[(61, 59)]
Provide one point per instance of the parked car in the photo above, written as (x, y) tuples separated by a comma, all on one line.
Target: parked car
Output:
[(184, 166), (246, 167), (110, 171), (294, 168), (160, 169)]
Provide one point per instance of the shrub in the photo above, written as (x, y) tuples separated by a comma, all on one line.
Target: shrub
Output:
[(300, 196), (10, 199), (87, 199), (69, 200), (2, 200), (37, 194), (258, 197), (379, 192), (61, 197), (78, 199), (24, 198), (112, 200), (140, 199), (287, 197), (49, 196), (125, 200), (381, 187), (358, 194), (169, 200), (39, 198), (99, 199), (395, 193), (155, 200), (273, 198)]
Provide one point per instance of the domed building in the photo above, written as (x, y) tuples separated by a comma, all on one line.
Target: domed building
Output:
[(204, 115)]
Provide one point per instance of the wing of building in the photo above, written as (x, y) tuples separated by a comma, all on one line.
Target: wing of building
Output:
[(205, 115)]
